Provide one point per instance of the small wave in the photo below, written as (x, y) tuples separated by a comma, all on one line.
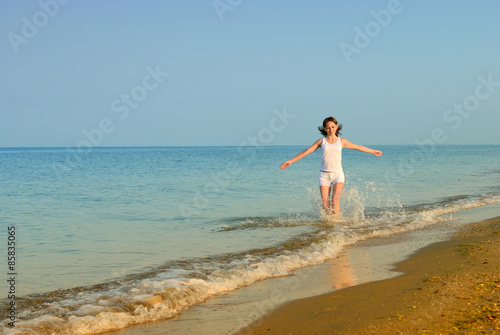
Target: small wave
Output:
[(241, 223)]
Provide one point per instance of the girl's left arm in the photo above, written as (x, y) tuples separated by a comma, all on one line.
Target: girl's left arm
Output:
[(347, 144)]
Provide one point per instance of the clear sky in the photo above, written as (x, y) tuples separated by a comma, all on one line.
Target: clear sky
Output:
[(178, 72)]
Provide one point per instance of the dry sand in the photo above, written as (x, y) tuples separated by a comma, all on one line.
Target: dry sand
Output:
[(450, 287)]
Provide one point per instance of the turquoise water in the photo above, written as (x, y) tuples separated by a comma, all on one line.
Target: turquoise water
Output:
[(101, 232)]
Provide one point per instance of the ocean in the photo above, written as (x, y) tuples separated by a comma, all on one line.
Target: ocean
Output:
[(108, 238)]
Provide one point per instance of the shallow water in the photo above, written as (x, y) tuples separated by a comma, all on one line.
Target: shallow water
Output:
[(122, 236)]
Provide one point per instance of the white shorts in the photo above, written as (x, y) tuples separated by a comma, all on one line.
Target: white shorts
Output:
[(330, 178)]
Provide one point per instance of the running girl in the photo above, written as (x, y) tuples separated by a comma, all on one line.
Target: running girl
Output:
[(331, 176)]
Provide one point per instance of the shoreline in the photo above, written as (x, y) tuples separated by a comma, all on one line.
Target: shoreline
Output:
[(446, 287), (362, 262), (367, 261)]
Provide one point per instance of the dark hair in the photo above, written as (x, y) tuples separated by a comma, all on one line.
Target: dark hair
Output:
[(330, 119)]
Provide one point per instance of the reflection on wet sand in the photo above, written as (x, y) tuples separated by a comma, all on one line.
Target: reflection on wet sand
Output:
[(350, 268)]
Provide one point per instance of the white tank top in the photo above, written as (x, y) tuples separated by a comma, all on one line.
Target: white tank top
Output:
[(331, 155)]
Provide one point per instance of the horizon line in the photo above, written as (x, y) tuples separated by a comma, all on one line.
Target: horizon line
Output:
[(188, 146)]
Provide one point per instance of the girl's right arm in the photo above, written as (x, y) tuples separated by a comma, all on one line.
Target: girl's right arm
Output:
[(302, 154)]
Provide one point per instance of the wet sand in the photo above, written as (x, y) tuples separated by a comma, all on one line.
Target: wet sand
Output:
[(447, 287)]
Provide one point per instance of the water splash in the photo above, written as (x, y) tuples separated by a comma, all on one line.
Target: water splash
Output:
[(352, 207)]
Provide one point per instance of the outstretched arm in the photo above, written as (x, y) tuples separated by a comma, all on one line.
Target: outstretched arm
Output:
[(349, 145), (302, 154)]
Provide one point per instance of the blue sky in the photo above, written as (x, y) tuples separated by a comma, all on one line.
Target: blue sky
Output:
[(173, 73)]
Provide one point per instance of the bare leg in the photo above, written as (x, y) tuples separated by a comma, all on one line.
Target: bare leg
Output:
[(325, 197), (336, 192)]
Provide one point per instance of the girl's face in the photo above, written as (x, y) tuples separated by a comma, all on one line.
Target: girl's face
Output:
[(330, 128)]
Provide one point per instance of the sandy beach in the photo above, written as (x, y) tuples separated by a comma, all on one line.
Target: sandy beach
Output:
[(447, 287)]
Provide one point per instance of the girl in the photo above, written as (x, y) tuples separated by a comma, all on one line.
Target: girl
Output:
[(331, 176)]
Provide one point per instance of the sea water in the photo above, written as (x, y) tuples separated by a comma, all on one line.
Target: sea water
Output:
[(111, 237)]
